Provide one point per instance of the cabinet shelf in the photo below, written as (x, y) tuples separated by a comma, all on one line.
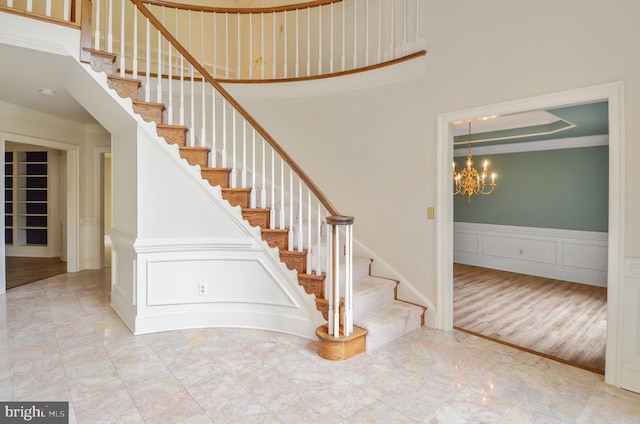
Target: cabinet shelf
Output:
[(26, 198)]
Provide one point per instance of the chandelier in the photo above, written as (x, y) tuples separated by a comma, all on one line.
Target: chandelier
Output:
[(469, 181)]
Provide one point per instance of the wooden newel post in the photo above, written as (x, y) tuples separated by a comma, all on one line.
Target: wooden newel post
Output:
[(340, 310)]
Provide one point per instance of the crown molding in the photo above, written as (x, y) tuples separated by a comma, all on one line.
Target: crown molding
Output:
[(536, 146)]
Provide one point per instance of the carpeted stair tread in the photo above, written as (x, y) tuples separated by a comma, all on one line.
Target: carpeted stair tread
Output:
[(371, 293), (389, 322)]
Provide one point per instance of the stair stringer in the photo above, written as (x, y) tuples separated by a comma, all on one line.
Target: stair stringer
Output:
[(159, 269)]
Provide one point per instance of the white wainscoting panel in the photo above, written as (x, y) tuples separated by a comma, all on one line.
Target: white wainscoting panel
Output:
[(577, 256)]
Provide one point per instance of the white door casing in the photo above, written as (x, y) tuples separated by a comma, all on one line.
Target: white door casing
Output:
[(613, 93)]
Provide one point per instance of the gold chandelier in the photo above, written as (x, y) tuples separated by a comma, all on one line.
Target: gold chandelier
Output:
[(469, 181)]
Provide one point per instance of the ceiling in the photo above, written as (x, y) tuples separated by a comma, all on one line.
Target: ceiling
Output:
[(23, 76), (558, 123)]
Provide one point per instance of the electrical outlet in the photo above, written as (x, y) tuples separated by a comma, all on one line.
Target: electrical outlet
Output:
[(203, 288), (431, 213)]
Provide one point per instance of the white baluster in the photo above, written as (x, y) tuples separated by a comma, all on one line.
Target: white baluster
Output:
[(122, 42), (286, 56), (159, 78), (181, 89), (29, 5), (300, 231), (262, 54), (418, 34), (192, 111), (226, 44), (275, 49), (243, 183), (380, 31), (308, 41), (252, 197), (263, 191), (272, 215), (203, 126), (336, 279), (66, 15), (405, 24), (234, 143), (348, 289), (96, 29), (135, 44), (250, 46), (47, 8), (318, 241), (366, 25), (355, 34), (291, 217), (331, 60), (282, 223), (392, 34), (239, 54), (329, 286), (213, 157), (344, 36), (110, 26), (309, 239), (297, 74), (319, 40), (170, 83), (223, 152), (147, 82), (214, 47)]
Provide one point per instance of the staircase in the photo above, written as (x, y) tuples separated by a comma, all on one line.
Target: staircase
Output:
[(378, 316)]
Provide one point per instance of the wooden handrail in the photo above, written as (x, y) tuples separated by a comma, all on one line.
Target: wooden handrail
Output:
[(234, 103), (240, 10), (328, 75)]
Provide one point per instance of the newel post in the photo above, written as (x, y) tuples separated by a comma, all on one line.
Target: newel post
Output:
[(85, 31), (340, 313)]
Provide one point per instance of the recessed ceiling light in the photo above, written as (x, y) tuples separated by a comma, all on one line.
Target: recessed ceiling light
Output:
[(47, 92)]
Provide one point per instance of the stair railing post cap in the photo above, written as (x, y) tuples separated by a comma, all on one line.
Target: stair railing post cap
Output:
[(340, 220)]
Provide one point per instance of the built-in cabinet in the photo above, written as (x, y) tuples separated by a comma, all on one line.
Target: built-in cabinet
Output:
[(28, 203)]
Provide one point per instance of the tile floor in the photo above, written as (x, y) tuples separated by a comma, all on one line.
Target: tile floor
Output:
[(60, 341)]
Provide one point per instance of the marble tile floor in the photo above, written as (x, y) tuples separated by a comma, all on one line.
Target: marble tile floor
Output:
[(61, 341)]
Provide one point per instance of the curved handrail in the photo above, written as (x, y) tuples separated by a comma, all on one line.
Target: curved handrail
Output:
[(242, 111), (240, 10), (332, 75)]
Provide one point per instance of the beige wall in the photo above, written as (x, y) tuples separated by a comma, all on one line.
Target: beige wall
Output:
[(374, 151)]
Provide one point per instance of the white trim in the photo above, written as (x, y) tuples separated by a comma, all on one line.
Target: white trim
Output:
[(614, 94), (98, 202), (576, 256), (73, 190), (536, 146), (193, 245)]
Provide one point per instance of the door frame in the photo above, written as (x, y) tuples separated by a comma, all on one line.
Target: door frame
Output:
[(72, 204), (613, 93)]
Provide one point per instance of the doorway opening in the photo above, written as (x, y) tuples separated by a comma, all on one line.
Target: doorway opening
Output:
[(41, 210), (613, 95)]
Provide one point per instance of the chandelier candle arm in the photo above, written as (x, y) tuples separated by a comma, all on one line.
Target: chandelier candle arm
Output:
[(469, 181)]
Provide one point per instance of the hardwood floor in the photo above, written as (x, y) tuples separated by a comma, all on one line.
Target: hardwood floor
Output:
[(21, 270), (557, 319)]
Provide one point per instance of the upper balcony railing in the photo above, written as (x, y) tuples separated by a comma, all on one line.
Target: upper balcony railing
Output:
[(60, 11), (302, 40)]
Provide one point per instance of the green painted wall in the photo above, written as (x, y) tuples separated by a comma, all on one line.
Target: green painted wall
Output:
[(561, 189)]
